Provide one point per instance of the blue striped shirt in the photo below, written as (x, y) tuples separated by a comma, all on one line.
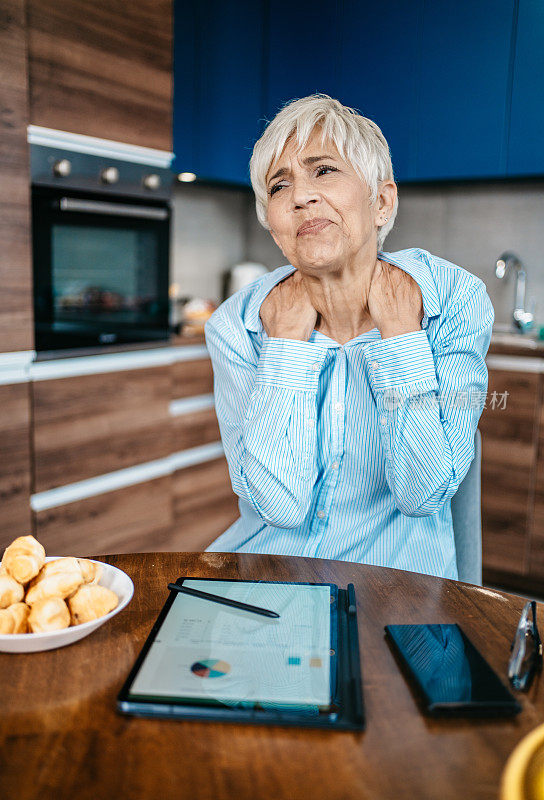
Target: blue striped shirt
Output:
[(353, 451)]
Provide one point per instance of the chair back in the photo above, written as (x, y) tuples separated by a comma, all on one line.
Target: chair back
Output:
[(467, 520)]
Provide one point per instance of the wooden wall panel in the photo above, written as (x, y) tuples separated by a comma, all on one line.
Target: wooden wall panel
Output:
[(94, 424), (15, 518), (509, 453), (16, 323), (191, 378), (135, 519), (195, 429), (103, 69), (204, 505)]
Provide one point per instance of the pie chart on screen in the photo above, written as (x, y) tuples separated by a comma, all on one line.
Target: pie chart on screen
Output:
[(210, 668)]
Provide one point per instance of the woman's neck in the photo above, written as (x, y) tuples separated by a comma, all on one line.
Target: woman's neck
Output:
[(340, 299)]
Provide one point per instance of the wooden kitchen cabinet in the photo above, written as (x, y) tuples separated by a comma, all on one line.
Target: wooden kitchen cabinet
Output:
[(86, 426), (204, 505), (102, 69), (509, 460), (130, 520), (89, 425), (192, 378), (536, 529), (16, 326), (195, 428), (15, 518)]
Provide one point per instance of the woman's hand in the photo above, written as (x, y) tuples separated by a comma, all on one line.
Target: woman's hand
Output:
[(394, 301), (287, 312)]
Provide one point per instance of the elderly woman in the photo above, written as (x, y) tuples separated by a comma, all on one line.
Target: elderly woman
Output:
[(348, 384)]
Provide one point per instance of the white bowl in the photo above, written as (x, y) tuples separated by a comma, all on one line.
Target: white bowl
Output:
[(113, 578)]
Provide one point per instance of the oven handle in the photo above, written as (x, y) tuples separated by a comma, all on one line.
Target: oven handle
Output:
[(117, 209)]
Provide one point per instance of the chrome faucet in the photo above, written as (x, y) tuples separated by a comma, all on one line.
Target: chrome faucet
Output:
[(522, 319)]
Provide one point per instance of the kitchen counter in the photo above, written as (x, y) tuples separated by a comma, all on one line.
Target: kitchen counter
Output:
[(176, 340), (511, 344)]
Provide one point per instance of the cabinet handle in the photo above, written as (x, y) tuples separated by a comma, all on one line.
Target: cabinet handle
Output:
[(117, 209)]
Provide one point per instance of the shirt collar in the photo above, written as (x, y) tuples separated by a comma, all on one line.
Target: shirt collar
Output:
[(413, 261)]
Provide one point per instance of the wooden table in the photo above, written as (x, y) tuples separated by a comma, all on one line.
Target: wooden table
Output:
[(61, 737)]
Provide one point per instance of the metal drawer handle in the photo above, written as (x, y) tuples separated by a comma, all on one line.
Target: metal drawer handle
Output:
[(117, 209)]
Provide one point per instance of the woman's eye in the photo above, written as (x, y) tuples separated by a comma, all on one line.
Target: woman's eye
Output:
[(324, 169), (276, 188)]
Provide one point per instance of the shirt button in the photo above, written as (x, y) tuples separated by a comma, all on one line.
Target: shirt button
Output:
[(383, 420), (310, 423), (320, 514), (374, 366), (338, 406), (334, 465), (316, 367)]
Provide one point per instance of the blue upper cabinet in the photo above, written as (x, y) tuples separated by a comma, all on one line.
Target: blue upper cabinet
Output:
[(185, 87), (526, 148), (456, 87), (303, 48), (464, 56), (378, 71), (218, 87)]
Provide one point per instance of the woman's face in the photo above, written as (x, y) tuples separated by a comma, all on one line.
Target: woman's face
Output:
[(319, 210)]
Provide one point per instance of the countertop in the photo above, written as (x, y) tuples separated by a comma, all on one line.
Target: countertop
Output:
[(512, 344), (174, 341), (501, 344)]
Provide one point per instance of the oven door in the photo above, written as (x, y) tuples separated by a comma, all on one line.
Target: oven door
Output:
[(100, 269)]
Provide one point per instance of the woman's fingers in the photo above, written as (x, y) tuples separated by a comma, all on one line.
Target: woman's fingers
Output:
[(394, 302), (287, 312)]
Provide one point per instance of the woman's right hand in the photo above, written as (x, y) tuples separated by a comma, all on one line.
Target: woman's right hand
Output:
[(287, 312)]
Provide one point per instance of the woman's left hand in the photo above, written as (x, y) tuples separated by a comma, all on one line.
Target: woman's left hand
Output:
[(394, 301)]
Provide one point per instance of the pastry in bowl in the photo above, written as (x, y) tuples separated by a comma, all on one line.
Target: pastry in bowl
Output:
[(24, 558), (39, 595), (48, 614), (91, 602)]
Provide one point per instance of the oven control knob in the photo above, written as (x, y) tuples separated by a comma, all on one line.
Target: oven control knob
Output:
[(152, 181), (109, 175), (62, 168)]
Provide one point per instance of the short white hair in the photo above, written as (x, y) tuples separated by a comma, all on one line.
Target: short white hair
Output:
[(358, 140)]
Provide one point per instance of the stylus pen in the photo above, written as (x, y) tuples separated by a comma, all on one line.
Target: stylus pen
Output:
[(226, 601)]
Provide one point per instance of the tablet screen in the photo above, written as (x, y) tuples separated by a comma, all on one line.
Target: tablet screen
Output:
[(205, 652)]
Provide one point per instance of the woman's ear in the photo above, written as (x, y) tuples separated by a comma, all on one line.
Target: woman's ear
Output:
[(385, 202)]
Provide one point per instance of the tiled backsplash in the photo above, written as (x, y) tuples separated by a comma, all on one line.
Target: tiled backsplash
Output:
[(470, 225), (208, 236)]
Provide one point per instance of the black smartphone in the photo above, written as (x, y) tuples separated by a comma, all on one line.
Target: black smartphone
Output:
[(452, 677)]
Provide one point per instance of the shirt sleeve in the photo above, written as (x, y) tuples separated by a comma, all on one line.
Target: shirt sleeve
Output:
[(267, 414), (429, 403)]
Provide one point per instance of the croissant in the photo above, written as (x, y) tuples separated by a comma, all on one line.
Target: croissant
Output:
[(24, 558), (7, 621), (49, 614), (60, 584), (66, 564), (91, 602), (19, 613), (10, 591), (91, 570)]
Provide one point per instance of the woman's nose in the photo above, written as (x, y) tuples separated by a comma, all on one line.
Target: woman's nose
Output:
[(304, 193)]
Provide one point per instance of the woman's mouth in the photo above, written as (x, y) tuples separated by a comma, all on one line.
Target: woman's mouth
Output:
[(312, 226)]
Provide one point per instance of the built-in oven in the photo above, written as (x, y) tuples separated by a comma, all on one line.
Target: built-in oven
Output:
[(101, 232)]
